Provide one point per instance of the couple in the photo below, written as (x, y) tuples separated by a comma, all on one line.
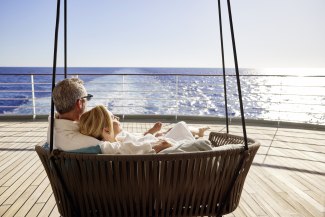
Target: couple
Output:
[(75, 129)]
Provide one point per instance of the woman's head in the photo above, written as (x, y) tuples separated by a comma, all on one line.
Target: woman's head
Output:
[(93, 122)]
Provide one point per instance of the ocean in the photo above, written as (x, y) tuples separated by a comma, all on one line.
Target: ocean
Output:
[(294, 95)]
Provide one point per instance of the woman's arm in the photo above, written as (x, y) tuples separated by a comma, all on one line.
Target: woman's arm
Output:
[(132, 145)]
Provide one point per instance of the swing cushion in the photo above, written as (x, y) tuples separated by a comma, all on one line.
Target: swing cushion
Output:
[(46, 146), (89, 150)]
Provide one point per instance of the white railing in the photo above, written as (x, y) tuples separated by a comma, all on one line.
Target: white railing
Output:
[(277, 98)]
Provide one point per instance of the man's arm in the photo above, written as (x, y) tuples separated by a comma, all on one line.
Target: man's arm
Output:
[(161, 145)]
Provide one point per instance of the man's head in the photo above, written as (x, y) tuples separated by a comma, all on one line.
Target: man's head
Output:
[(69, 97)]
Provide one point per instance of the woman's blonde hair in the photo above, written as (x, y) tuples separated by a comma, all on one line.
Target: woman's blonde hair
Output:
[(94, 121)]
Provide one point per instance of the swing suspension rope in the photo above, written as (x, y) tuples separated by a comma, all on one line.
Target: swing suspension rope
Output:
[(223, 66), (237, 76), (54, 71)]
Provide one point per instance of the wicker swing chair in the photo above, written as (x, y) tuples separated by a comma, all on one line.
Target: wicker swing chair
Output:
[(207, 183)]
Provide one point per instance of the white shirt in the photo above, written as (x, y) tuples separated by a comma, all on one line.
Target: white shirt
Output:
[(68, 138)]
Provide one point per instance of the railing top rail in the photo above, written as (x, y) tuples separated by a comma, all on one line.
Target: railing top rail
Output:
[(164, 74)]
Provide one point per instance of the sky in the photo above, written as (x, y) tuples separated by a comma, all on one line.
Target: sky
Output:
[(164, 33)]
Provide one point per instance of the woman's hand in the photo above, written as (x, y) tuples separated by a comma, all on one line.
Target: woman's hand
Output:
[(161, 145), (107, 135)]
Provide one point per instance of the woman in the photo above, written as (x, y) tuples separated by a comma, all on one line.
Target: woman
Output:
[(95, 120)]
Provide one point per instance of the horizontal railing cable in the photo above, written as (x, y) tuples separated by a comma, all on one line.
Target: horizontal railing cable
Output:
[(190, 95)]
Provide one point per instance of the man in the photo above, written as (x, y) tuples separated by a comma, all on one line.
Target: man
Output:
[(70, 99)]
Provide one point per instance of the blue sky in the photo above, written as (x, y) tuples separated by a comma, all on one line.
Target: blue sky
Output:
[(164, 33)]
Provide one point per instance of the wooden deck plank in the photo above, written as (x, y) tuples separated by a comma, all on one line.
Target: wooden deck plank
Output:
[(15, 168), (48, 207), (266, 193), (312, 205), (39, 189), (289, 188), (35, 210), (294, 203), (313, 184), (286, 179), (3, 209), (20, 202), (264, 201), (258, 211), (55, 212), (13, 177), (238, 212), (8, 148), (46, 194), (40, 179), (247, 210), (3, 189), (18, 187), (12, 157), (290, 160)]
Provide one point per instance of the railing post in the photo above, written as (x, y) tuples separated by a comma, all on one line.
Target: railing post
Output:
[(33, 96), (177, 108), (279, 103), (123, 113)]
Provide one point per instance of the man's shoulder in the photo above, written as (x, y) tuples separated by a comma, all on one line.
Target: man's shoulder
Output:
[(75, 141), (68, 137)]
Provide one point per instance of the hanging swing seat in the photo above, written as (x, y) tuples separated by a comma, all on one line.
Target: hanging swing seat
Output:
[(207, 183)]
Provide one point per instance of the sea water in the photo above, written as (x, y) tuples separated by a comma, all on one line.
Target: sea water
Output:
[(295, 95)]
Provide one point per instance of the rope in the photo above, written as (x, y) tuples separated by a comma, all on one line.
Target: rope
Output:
[(237, 76), (65, 38), (54, 70), (223, 67)]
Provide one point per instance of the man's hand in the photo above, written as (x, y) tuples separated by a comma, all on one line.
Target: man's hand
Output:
[(161, 145)]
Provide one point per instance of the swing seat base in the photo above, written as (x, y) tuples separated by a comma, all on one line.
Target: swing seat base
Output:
[(207, 183)]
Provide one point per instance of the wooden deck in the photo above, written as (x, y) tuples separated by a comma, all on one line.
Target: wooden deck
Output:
[(287, 177)]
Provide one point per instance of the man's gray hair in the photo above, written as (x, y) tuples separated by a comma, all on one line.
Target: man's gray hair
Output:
[(66, 93)]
